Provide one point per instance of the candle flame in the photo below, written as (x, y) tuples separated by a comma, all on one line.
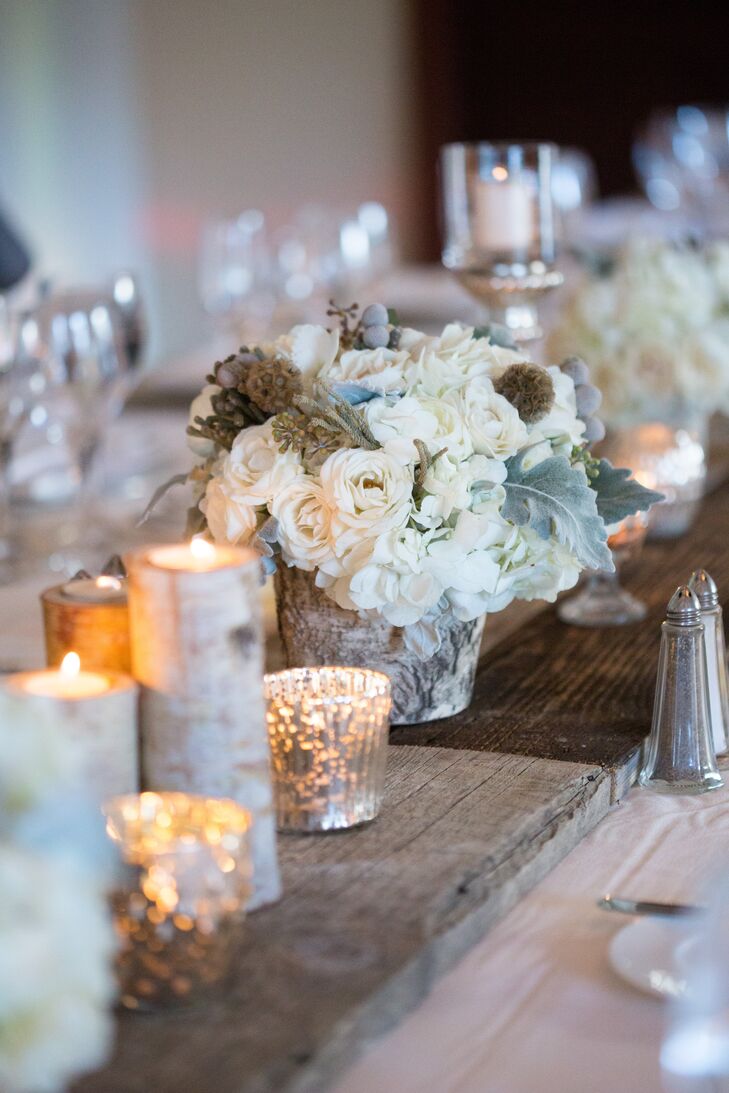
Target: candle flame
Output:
[(201, 549), (70, 665), (108, 582), (500, 174)]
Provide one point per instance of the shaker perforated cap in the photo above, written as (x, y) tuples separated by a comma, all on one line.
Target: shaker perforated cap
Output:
[(684, 607), (704, 587)]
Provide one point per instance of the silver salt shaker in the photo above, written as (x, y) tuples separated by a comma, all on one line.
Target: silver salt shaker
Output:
[(680, 755), (711, 615)]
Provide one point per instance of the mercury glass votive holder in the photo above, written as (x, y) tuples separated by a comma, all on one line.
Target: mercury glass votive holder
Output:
[(186, 886), (328, 729)]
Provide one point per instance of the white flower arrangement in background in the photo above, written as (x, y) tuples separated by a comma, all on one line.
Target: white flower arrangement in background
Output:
[(654, 324), (56, 938), (412, 475)]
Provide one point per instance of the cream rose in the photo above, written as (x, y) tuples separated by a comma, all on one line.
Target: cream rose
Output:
[(380, 370), (230, 520), (397, 424), (202, 406), (304, 523), (311, 348), (367, 492), (255, 470), (495, 426)]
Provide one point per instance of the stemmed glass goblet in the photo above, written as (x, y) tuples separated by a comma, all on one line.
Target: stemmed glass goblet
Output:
[(499, 228), (602, 601)]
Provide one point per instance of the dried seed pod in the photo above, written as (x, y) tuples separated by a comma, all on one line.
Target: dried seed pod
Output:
[(529, 389)]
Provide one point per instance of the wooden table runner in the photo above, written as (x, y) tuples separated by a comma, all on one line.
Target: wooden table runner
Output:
[(478, 808)]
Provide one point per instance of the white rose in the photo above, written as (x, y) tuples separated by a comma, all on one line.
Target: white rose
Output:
[(561, 423), (311, 348), (304, 523), (396, 424), (452, 432), (255, 470), (202, 406), (368, 493), (230, 520), (380, 370), (494, 424)]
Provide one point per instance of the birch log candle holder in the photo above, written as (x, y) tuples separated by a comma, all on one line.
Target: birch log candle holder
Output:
[(197, 651), (98, 711), (90, 616)]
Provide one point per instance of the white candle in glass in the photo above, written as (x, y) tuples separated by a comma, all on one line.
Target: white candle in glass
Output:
[(98, 710), (504, 212), (197, 651)]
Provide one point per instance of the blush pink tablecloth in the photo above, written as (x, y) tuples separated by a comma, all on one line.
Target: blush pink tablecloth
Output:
[(536, 1007)]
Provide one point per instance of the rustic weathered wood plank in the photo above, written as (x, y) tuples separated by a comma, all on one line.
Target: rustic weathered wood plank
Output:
[(369, 919)]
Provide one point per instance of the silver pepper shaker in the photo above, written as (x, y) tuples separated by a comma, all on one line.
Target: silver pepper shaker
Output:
[(716, 669), (680, 755)]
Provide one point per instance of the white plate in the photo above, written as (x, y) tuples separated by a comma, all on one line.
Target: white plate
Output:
[(649, 954)]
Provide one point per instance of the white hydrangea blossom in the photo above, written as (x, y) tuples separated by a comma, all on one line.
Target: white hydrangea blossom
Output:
[(655, 331)]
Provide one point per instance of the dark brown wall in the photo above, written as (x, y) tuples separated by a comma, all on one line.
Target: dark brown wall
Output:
[(584, 74)]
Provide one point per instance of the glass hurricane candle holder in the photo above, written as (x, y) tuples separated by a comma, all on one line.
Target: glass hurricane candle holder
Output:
[(188, 880), (670, 457), (602, 601), (328, 729), (499, 228)]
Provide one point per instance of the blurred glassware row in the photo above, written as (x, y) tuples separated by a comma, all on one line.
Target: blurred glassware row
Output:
[(254, 279), (67, 365), (681, 157)]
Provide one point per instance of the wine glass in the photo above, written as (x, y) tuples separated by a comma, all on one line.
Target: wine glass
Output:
[(499, 228), (602, 601), (234, 275), (78, 341), (19, 371)]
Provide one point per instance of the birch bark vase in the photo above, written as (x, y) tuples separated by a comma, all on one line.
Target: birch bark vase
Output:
[(316, 631), (197, 651)]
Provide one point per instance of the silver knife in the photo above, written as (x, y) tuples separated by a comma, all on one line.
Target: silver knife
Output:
[(645, 907)]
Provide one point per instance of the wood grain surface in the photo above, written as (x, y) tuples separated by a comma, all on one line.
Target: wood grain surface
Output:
[(478, 808)]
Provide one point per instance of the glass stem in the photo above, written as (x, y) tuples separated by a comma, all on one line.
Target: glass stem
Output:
[(6, 453)]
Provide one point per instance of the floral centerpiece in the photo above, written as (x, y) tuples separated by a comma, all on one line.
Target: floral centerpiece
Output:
[(653, 321), (405, 485), (57, 942)]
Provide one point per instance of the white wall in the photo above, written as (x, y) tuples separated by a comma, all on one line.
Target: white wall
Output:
[(124, 123)]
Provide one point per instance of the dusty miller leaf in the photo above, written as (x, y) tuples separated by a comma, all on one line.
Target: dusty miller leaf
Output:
[(553, 498), (619, 495), (159, 493)]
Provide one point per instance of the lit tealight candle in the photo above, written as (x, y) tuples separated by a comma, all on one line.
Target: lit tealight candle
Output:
[(97, 711), (90, 616), (95, 590)]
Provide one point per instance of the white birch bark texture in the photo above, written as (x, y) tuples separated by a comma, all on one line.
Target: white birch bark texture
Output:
[(197, 651), (98, 632), (316, 631), (103, 727)]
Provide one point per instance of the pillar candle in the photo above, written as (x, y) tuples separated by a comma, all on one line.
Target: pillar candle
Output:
[(197, 651), (504, 212), (90, 617), (98, 711)]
